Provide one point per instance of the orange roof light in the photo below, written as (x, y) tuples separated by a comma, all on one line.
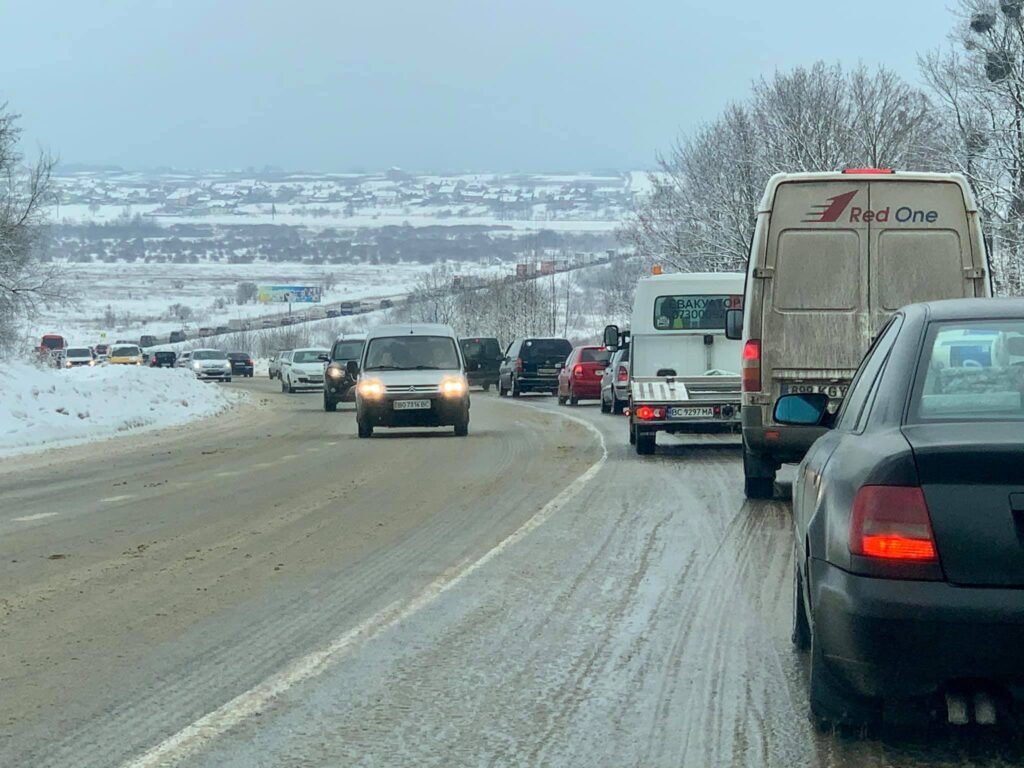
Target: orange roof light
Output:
[(656, 269)]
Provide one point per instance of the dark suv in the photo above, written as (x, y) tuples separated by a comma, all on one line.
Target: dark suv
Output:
[(163, 359), (483, 360), (338, 382), (531, 365)]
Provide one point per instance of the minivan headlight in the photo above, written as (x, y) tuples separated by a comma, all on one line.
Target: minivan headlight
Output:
[(335, 373), (370, 388), (453, 387)]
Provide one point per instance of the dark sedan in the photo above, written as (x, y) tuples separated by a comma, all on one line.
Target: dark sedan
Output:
[(241, 364), (909, 522)]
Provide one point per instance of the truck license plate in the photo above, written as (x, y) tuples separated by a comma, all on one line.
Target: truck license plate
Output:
[(834, 391), (691, 413), (412, 405)]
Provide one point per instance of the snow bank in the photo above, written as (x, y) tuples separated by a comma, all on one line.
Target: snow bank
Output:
[(46, 407)]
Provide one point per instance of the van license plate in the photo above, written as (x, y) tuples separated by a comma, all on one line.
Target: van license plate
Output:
[(691, 413), (834, 391), (412, 405)]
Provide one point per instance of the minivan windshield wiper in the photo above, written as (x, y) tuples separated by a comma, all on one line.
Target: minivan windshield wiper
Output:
[(385, 368)]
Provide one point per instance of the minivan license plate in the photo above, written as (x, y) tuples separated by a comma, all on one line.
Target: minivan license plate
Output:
[(691, 413), (411, 405), (834, 391)]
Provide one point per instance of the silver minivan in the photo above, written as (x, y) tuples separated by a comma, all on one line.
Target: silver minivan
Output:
[(411, 376), (833, 256)]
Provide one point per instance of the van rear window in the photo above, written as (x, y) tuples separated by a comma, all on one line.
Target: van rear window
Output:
[(693, 313), (817, 270)]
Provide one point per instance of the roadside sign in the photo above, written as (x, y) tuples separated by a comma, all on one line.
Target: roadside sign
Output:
[(288, 294)]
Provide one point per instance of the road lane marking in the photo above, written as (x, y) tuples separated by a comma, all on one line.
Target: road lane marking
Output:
[(112, 499), (228, 473), (190, 739), (30, 518)]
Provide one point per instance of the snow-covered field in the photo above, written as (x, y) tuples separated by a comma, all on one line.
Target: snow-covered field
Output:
[(43, 408)]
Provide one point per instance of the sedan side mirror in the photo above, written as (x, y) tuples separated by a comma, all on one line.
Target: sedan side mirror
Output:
[(611, 337), (352, 368), (734, 324), (807, 409)]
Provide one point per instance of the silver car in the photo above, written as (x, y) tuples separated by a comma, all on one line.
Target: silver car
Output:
[(211, 364), (615, 383)]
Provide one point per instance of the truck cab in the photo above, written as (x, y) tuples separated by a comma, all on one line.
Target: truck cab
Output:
[(684, 373)]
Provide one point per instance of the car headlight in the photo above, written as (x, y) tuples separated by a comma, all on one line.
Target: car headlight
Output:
[(335, 373), (453, 387), (227, 366), (197, 365), (67, 364), (370, 388)]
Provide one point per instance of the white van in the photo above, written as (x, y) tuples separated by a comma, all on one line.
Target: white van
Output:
[(684, 372), (411, 376), (833, 255)]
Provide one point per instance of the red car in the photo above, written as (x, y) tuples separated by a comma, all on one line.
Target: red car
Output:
[(580, 376)]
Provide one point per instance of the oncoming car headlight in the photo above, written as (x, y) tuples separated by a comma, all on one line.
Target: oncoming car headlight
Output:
[(197, 365), (335, 373), (453, 387), (370, 388)]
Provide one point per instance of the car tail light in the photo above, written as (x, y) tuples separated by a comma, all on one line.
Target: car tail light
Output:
[(623, 374), (891, 522), (519, 365), (752, 366), (577, 371)]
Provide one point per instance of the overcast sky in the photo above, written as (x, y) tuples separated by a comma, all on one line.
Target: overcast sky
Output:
[(437, 85)]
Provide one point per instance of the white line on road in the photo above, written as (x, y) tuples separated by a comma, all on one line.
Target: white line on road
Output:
[(191, 738), (112, 499), (30, 518)]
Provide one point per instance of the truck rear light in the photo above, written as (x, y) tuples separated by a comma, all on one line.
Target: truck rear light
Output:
[(649, 413), (891, 522), (519, 365), (577, 371), (864, 171), (752, 366), (623, 374)]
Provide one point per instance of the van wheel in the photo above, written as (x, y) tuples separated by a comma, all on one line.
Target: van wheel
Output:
[(758, 476), (645, 443), (365, 430)]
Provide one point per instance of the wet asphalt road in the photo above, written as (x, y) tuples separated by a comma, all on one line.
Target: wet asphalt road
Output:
[(264, 589)]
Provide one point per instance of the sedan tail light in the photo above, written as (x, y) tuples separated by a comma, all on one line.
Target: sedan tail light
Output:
[(623, 374), (577, 371), (752, 366), (891, 522)]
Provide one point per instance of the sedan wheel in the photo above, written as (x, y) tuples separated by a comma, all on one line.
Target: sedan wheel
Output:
[(801, 635)]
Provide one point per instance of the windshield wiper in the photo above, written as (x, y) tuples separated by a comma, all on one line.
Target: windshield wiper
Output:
[(385, 368)]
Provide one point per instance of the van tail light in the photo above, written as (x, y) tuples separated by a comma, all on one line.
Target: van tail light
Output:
[(891, 522), (519, 365), (577, 371), (649, 413), (623, 374), (752, 366), (865, 171)]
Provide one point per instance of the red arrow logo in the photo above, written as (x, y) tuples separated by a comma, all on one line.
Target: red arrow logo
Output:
[(831, 210)]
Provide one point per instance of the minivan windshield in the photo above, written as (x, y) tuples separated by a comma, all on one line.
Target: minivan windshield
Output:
[(79, 352), (126, 352), (410, 353), (971, 371)]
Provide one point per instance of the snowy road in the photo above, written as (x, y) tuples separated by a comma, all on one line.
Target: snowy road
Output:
[(266, 590)]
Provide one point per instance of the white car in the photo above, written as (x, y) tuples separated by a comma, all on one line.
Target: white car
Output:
[(303, 369), (210, 364), (78, 356)]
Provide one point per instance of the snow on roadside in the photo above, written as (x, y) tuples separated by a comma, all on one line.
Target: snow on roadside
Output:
[(43, 408)]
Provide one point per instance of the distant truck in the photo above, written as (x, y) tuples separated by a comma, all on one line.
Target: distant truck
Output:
[(237, 324), (685, 375)]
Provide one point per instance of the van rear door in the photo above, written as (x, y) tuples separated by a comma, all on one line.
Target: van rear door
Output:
[(814, 313), (920, 244)]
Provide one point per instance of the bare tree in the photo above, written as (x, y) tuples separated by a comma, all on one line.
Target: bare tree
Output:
[(979, 80), (701, 211), (26, 282)]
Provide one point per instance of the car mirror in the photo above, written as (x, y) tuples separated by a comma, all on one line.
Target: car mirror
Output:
[(352, 368), (807, 409), (323, 358), (611, 337), (1015, 346), (734, 324)]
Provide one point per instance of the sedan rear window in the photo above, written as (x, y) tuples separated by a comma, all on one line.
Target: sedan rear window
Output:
[(971, 371), (595, 356)]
